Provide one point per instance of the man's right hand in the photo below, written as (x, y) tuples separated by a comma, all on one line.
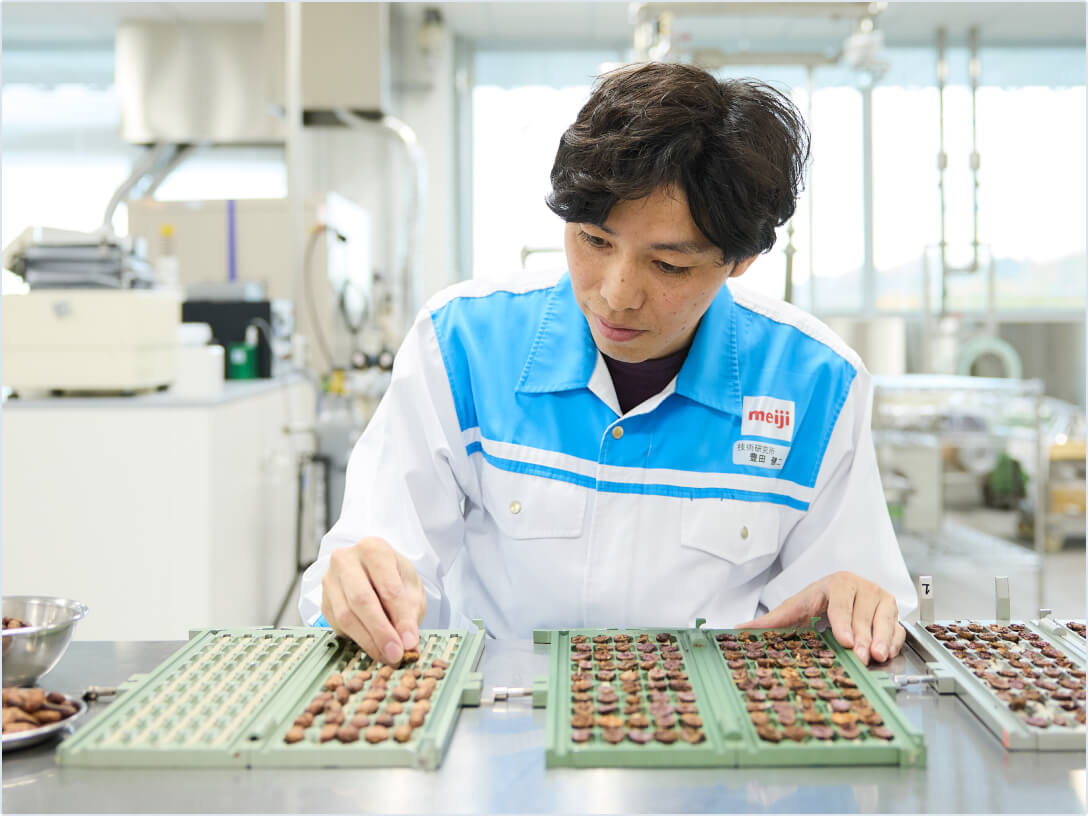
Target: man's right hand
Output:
[(373, 595)]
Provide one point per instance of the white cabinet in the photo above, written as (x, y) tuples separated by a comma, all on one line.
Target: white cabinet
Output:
[(161, 514)]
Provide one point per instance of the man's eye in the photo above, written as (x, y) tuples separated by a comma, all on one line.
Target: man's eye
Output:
[(592, 240), (673, 270)]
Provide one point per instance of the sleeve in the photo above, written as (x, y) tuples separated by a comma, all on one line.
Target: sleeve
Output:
[(404, 477), (847, 526)]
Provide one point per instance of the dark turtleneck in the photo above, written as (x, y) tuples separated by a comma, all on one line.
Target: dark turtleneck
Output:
[(637, 382)]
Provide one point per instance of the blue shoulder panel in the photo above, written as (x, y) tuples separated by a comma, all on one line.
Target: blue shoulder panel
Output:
[(487, 343), (519, 366)]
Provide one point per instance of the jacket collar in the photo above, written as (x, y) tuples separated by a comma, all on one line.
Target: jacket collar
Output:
[(711, 372), (563, 355)]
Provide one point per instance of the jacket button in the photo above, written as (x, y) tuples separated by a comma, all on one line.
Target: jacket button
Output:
[(617, 432), (744, 532), (515, 507)]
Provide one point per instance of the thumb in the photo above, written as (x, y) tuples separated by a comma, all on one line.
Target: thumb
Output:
[(791, 612)]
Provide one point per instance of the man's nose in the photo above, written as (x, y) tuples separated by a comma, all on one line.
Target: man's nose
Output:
[(621, 286)]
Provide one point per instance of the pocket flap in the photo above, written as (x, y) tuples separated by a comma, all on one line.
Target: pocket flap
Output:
[(737, 531), (526, 506)]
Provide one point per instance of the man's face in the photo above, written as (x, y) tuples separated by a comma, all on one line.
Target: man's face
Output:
[(646, 277)]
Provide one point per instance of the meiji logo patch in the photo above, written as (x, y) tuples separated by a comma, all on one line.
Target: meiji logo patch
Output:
[(768, 417)]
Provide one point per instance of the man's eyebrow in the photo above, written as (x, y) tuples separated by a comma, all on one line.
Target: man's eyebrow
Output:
[(686, 247)]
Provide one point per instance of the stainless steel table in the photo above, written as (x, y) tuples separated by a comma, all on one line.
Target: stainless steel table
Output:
[(496, 764)]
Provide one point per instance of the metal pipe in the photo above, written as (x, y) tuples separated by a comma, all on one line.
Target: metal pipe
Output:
[(974, 70), (927, 314), (811, 200), (868, 275), (1042, 468), (790, 250), (293, 148), (832, 10), (160, 175), (144, 165), (942, 158), (410, 269)]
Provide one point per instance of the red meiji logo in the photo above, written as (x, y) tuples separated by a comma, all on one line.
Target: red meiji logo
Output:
[(780, 419), (768, 417)]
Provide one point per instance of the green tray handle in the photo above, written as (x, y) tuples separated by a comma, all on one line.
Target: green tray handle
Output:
[(473, 689), (540, 691)]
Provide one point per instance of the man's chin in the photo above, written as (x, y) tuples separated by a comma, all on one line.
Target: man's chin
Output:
[(621, 352)]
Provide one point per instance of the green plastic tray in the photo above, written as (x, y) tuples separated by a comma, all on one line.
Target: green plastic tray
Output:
[(957, 677), (228, 697), (905, 747), (730, 737), (716, 750)]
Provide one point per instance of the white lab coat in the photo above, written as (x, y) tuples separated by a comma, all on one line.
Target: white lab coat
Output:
[(494, 464)]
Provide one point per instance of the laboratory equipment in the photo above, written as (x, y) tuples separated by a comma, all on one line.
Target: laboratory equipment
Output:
[(91, 320), (89, 340)]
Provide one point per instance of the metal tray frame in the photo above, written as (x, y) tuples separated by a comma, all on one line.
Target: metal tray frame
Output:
[(731, 737), (1055, 630), (953, 677), (253, 741)]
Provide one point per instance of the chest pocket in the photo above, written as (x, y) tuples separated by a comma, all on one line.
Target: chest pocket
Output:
[(739, 532), (531, 507)]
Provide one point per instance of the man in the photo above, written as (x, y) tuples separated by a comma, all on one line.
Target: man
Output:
[(631, 444)]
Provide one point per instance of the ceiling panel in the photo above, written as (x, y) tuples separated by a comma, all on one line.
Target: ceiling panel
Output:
[(605, 22)]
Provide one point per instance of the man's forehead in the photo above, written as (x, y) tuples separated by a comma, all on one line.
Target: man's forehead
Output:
[(669, 205)]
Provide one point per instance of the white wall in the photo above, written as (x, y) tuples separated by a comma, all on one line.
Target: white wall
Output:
[(370, 166)]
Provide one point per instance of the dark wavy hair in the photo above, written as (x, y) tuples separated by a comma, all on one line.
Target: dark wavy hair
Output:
[(737, 148)]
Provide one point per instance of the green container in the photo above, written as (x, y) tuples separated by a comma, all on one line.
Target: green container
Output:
[(241, 361), (731, 739)]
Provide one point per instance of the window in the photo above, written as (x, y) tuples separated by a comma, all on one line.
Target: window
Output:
[(1031, 143), (521, 104)]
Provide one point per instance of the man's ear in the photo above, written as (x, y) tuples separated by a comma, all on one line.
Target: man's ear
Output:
[(741, 266)]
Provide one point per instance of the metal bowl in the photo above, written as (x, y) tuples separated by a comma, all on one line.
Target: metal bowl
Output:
[(24, 739), (31, 651)]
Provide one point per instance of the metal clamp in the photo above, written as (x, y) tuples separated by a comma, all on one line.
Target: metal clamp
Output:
[(94, 692), (502, 693), (901, 681)]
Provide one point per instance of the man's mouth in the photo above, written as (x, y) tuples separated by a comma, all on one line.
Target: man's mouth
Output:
[(615, 332)]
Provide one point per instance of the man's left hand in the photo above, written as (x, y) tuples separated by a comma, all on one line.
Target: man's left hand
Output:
[(863, 616)]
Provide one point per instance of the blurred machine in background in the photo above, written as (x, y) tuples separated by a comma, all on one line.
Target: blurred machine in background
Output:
[(238, 242), (91, 321), (968, 443)]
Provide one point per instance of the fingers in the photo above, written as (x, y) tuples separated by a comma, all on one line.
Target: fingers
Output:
[(898, 636), (341, 617), (412, 580), (374, 596), (842, 588), (863, 616), (885, 621), (797, 610), (865, 604), (400, 626)]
